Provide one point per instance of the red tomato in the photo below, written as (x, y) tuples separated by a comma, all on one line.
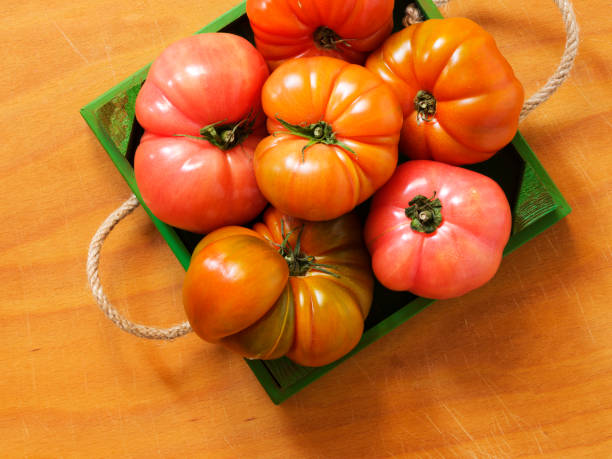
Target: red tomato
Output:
[(206, 86), (345, 29), (460, 98), (287, 287), (335, 128), (437, 230)]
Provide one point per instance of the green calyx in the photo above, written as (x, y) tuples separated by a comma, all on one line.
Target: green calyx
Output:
[(320, 132), (425, 105), (326, 38), (299, 263), (225, 136), (425, 213)]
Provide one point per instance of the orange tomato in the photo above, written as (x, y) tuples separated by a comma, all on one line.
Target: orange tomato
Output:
[(459, 95), (345, 29), (286, 287), (335, 128)]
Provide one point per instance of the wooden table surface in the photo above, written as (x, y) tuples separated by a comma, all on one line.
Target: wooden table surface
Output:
[(523, 366)]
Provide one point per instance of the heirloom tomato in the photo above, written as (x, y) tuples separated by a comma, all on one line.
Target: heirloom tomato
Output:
[(460, 98), (437, 230), (345, 29), (335, 128), (199, 106), (286, 287)]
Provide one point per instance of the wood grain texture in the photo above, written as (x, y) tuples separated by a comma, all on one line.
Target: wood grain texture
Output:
[(521, 367)]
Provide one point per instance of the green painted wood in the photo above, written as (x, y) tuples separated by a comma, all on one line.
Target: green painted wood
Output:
[(429, 9), (533, 201), (537, 204), (116, 119), (557, 207)]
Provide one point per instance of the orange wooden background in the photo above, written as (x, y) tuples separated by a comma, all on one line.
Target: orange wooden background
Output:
[(522, 366)]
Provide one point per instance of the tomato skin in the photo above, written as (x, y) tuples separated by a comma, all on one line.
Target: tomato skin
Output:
[(286, 29), (228, 270), (191, 183), (463, 253), (239, 291), (195, 82), (325, 181), (478, 98), (196, 186)]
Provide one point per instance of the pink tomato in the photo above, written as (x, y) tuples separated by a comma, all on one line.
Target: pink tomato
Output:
[(201, 107), (437, 230)]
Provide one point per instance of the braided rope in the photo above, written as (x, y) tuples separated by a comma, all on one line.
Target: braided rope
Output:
[(413, 13), (93, 263), (567, 60)]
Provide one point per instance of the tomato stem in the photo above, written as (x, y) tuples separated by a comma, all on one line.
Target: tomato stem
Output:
[(326, 38), (425, 105), (299, 263), (425, 213), (320, 132), (225, 136)]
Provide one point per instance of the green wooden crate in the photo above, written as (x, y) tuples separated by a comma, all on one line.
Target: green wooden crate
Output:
[(536, 202)]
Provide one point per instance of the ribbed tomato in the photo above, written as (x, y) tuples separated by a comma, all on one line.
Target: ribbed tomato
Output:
[(437, 230), (345, 29), (194, 165), (286, 287), (460, 98), (335, 128)]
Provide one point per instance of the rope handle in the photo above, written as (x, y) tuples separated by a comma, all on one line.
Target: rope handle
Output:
[(93, 263), (413, 15)]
